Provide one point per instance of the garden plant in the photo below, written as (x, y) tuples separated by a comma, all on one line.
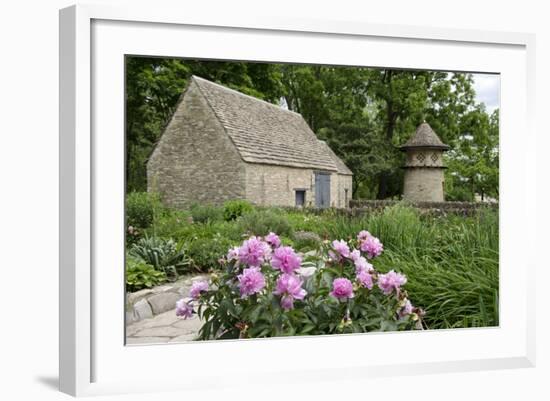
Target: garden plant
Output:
[(267, 289), (450, 261)]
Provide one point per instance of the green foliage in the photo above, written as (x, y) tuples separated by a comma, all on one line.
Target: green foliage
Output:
[(452, 266), (153, 86), (228, 315), (206, 252), (461, 293), (401, 226), (451, 262), (235, 209), (458, 193), (206, 213), (164, 255), (262, 222), (306, 241), (140, 275), (172, 223), (364, 114), (141, 208), (474, 158)]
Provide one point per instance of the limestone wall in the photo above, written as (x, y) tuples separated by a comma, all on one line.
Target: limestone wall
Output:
[(271, 185), (423, 185), (360, 207), (340, 199), (195, 160), (424, 157)]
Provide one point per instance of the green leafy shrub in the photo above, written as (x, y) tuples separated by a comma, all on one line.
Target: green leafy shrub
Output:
[(140, 275), (173, 224), (235, 209), (262, 222), (459, 194), (140, 209), (164, 255), (306, 240), (304, 221), (268, 290), (206, 252), (206, 213)]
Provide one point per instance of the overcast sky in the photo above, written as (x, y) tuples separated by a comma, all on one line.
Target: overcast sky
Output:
[(487, 87)]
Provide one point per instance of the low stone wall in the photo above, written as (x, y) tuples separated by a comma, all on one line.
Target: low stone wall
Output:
[(145, 304), (359, 206)]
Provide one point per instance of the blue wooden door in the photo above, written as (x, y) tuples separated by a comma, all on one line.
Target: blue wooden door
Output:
[(322, 190)]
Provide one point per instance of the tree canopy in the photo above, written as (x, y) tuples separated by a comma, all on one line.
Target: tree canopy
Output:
[(363, 113)]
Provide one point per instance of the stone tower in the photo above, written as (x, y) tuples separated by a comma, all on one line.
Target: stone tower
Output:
[(424, 166)]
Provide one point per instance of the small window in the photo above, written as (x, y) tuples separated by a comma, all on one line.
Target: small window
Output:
[(345, 197), (300, 197)]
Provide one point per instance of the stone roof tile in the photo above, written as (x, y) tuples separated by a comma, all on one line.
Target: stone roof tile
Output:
[(424, 137), (340, 165), (265, 133)]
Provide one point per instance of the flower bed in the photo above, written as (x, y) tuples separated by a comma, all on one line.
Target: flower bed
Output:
[(266, 289)]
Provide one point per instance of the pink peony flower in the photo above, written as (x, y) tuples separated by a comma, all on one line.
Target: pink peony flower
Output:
[(342, 288), (371, 246), (254, 252), (365, 279), (391, 281), (273, 240), (406, 309), (286, 260), (197, 288), (287, 302), (361, 264), (233, 254), (251, 281), (184, 308), (363, 235), (342, 250), (290, 288), (355, 255)]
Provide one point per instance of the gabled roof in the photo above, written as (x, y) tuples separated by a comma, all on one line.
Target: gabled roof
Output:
[(424, 137), (342, 168), (265, 133)]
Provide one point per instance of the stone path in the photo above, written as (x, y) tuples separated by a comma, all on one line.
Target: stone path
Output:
[(151, 314), (163, 328)]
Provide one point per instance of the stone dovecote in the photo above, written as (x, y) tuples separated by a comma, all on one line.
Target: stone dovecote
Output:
[(221, 144), (424, 168)]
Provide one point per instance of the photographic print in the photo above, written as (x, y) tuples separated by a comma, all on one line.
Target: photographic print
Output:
[(269, 200)]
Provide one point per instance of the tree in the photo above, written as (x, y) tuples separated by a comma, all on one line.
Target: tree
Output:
[(153, 87), (474, 159), (403, 99), (364, 114)]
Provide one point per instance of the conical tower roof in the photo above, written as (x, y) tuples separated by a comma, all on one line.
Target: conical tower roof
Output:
[(425, 137)]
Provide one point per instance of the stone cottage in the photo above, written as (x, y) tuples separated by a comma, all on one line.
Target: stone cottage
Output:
[(221, 144)]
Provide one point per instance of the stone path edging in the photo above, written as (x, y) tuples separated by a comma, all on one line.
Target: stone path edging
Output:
[(147, 303)]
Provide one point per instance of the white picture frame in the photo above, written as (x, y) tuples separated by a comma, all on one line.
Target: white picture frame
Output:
[(93, 358)]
